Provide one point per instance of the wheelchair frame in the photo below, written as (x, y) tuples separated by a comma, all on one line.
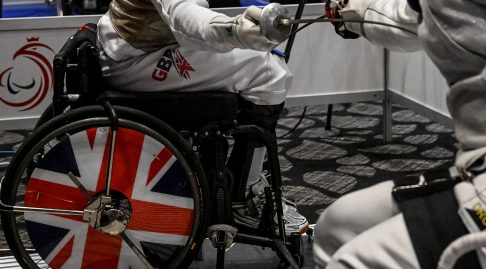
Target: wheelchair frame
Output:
[(88, 97)]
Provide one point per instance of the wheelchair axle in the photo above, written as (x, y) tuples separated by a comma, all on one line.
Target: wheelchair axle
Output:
[(105, 217)]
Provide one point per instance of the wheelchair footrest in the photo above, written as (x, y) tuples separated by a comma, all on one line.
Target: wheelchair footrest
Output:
[(221, 235)]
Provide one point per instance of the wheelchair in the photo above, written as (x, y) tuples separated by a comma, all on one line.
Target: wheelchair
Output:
[(112, 179)]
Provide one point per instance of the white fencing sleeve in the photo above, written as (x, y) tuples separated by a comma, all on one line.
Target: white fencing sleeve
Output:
[(395, 12), (195, 25)]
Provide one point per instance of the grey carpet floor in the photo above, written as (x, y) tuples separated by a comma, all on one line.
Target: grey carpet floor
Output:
[(318, 165)]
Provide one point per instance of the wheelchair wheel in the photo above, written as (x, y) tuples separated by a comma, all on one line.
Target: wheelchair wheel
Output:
[(155, 217)]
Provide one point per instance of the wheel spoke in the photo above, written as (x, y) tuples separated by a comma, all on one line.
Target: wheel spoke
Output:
[(81, 187), (28, 209), (136, 250), (24, 209)]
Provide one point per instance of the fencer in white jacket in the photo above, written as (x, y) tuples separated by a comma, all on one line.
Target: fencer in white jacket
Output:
[(365, 229), (182, 45)]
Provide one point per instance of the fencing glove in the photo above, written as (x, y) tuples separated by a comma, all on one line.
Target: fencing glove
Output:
[(394, 12), (242, 31), (333, 11)]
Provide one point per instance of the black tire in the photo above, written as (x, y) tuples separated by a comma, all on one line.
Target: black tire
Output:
[(32, 240)]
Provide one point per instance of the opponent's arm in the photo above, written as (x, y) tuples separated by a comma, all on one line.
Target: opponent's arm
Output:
[(394, 12)]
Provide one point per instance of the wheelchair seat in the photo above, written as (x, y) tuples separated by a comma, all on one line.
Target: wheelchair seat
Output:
[(77, 64), (189, 111)]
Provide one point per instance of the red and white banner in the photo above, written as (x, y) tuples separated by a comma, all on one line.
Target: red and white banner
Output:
[(26, 75)]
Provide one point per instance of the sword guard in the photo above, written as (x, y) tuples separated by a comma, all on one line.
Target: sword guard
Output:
[(270, 18)]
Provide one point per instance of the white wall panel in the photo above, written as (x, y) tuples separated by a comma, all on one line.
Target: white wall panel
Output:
[(23, 75), (322, 62), (414, 76)]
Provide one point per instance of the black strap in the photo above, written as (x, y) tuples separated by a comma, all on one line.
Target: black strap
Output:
[(433, 223), (223, 3)]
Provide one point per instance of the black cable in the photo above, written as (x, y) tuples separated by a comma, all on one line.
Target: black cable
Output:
[(291, 38), (293, 33), (296, 125), (288, 48), (323, 19)]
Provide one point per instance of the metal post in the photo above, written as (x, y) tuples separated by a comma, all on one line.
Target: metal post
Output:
[(387, 104), (60, 12)]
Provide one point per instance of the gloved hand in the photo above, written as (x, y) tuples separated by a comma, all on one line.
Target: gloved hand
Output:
[(242, 31), (393, 12), (334, 10)]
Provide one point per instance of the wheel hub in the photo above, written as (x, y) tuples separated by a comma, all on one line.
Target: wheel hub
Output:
[(109, 214), (113, 221)]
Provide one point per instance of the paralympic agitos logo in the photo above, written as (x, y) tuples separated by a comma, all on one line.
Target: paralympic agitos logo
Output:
[(28, 79)]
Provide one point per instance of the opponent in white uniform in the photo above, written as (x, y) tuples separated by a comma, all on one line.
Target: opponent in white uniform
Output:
[(365, 229), (182, 45)]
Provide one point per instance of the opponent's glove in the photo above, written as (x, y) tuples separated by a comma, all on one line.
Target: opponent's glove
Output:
[(334, 11), (242, 31), (393, 12)]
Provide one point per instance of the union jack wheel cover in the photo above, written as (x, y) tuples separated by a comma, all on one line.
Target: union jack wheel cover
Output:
[(156, 183)]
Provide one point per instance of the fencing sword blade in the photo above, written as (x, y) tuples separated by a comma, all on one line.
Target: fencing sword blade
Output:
[(276, 24), (287, 21)]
